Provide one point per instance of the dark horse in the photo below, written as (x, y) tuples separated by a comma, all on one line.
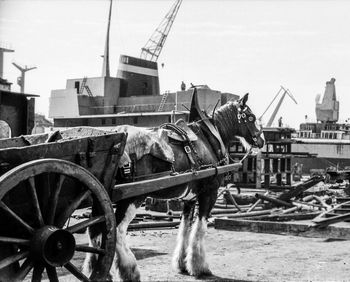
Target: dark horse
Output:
[(211, 137)]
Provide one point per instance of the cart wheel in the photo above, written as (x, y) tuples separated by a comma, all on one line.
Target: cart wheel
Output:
[(41, 239)]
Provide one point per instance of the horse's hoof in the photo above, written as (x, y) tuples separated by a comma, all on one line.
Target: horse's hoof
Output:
[(180, 266), (130, 274), (200, 272), (182, 270), (203, 273)]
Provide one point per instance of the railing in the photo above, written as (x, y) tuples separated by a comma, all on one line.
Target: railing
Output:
[(334, 135), (5, 45)]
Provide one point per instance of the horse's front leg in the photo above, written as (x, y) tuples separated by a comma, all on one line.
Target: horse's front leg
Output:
[(126, 260), (196, 262), (179, 262)]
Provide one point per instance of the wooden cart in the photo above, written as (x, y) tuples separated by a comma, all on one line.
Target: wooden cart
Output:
[(44, 180)]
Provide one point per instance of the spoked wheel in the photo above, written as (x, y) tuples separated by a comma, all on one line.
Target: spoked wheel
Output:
[(39, 239)]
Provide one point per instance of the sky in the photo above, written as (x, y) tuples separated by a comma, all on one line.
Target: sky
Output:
[(235, 46)]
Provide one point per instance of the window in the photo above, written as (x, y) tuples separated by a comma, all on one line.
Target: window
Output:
[(77, 86)]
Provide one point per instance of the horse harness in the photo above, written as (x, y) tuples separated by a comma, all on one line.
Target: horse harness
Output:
[(184, 135), (187, 143)]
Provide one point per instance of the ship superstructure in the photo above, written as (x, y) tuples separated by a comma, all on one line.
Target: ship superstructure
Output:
[(132, 96), (327, 138)]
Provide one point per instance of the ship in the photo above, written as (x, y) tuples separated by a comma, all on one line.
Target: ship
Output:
[(327, 138), (132, 96)]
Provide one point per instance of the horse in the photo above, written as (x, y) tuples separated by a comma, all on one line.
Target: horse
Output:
[(206, 147)]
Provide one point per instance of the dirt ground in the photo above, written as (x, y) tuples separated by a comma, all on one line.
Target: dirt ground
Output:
[(244, 256)]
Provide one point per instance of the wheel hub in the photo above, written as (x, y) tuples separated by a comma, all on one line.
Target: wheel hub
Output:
[(53, 246)]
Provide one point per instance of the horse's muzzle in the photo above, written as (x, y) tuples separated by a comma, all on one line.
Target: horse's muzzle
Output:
[(259, 140)]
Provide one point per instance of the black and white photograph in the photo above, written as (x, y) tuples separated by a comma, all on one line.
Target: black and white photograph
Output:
[(174, 140)]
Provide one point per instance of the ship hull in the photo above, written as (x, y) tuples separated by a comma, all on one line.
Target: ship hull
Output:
[(328, 153)]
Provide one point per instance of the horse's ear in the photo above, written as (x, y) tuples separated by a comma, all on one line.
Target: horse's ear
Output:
[(244, 99), (195, 111)]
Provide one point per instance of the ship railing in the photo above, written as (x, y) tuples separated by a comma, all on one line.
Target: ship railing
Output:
[(335, 135), (135, 108), (5, 45)]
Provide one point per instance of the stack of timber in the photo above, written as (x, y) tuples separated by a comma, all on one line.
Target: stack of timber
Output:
[(293, 212)]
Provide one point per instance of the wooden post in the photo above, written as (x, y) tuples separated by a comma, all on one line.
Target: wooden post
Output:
[(258, 170), (289, 171), (267, 173)]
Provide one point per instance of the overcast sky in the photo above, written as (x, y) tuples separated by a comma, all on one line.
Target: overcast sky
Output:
[(232, 46)]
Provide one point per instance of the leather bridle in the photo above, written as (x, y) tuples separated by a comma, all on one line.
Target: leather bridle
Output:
[(248, 118)]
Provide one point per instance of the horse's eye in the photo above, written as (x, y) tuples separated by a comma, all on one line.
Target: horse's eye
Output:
[(251, 118)]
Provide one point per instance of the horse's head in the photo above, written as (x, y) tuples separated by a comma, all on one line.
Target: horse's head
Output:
[(236, 119), (248, 127)]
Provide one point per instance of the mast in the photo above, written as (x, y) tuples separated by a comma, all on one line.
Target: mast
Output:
[(3, 49), (105, 67)]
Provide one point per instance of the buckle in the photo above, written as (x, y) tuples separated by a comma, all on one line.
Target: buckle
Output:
[(187, 149), (127, 169)]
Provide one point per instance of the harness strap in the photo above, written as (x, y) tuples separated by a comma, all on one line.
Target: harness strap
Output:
[(188, 145), (196, 115), (216, 134)]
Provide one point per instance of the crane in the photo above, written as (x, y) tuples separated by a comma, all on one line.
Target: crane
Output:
[(21, 79), (285, 92), (154, 45)]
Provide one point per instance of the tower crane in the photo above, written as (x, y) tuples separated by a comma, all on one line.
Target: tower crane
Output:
[(285, 92), (154, 45)]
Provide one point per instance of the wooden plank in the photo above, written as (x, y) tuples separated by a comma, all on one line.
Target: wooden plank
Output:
[(287, 217), (160, 225), (272, 200), (65, 149), (334, 219), (133, 189), (295, 228), (300, 188), (322, 215)]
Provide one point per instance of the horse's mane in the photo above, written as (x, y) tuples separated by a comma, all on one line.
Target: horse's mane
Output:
[(226, 120)]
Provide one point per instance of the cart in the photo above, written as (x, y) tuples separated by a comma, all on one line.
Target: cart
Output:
[(44, 180)]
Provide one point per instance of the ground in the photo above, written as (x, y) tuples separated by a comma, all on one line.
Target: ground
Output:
[(245, 256)]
